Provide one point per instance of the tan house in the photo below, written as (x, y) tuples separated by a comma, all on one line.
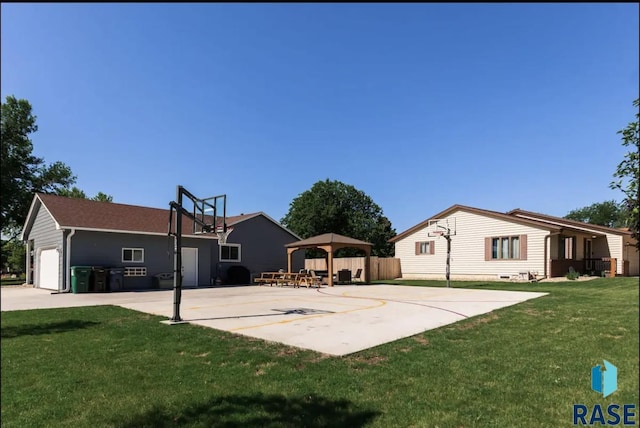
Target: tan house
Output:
[(518, 244)]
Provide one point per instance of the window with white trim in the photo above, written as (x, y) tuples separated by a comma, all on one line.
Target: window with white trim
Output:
[(133, 255), (135, 271), (230, 252)]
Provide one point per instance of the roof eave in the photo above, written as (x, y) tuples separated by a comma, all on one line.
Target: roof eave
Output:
[(137, 232), (28, 223), (569, 223)]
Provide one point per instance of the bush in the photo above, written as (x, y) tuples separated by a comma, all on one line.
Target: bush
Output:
[(572, 274)]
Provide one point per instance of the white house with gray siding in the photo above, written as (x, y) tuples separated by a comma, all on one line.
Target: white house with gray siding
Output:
[(493, 245), (62, 232)]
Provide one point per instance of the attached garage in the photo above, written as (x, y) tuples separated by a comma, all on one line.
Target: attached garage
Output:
[(49, 269)]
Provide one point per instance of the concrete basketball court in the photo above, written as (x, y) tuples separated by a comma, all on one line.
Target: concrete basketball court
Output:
[(337, 321)]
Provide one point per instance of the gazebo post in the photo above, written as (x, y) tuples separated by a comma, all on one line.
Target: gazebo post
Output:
[(290, 252), (330, 266), (367, 265)]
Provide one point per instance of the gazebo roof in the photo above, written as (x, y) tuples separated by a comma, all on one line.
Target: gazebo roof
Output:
[(328, 239)]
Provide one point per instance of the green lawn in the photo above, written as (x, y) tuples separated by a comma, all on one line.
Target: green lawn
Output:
[(521, 366)]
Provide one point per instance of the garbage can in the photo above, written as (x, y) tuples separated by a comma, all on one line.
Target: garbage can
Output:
[(80, 279), (99, 279), (344, 275), (163, 280), (116, 279)]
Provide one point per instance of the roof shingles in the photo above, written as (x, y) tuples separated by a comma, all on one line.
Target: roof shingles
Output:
[(109, 216)]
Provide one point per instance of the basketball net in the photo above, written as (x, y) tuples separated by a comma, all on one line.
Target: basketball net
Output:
[(222, 235)]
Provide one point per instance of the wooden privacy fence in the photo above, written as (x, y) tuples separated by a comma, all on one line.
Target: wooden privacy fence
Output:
[(381, 268)]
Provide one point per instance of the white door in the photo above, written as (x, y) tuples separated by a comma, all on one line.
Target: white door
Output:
[(49, 269), (189, 266)]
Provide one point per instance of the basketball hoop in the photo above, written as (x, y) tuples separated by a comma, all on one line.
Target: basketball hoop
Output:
[(222, 235), (436, 233)]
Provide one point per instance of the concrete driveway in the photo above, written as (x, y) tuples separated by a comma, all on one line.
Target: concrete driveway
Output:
[(336, 321)]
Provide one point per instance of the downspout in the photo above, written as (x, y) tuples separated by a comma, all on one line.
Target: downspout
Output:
[(546, 251), (67, 281)]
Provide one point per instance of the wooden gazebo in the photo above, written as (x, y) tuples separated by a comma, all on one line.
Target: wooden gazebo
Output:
[(331, 242)]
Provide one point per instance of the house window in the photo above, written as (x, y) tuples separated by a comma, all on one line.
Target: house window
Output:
[(505, 248), (425, 247), (133, 255), (135, 271), (230, 253), (567, 248)]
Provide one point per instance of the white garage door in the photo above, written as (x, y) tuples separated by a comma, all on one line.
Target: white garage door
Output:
[(49, 269)]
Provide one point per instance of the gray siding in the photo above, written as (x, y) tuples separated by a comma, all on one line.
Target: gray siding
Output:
[(262, 249), (45, 236), (105, 249), (262, 246)]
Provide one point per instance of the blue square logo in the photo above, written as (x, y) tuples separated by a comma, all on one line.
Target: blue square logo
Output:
[(604, 380)]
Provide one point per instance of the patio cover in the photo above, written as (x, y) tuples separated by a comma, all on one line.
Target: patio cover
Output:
[(331, 242)]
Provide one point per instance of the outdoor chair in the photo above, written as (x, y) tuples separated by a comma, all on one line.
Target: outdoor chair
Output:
[(356, 277), (314, 279)]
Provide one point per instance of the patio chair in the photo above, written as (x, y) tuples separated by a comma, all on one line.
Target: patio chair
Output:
[(356, 277), (314, 279)]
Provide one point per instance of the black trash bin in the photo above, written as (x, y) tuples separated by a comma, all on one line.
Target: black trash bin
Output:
[(99, 279), (116, 279)]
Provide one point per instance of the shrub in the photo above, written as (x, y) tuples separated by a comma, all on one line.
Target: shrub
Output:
[(572, 274)]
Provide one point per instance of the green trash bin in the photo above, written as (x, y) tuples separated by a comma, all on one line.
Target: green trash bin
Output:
[(80, 277)]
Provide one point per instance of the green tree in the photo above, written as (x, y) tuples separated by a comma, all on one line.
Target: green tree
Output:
[(73, 192), (23, 174), (628, 173), (335, 207), (607, 213), (13, 256), (102, 197)]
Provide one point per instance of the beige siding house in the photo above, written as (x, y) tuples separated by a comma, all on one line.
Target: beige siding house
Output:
[(518, 244)]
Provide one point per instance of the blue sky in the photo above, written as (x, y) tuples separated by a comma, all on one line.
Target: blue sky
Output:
[(421, 106)]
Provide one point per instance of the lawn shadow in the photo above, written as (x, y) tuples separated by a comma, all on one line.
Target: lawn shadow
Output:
[(256, 411), (48, 328)]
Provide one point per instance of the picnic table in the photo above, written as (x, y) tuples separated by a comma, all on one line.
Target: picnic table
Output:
[(287, 278)]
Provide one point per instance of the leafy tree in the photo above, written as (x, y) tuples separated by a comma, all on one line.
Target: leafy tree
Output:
[(102, 197), (335, 207), (13, 256), (607, 213), (628, 173), (23, 174), (74, 192)]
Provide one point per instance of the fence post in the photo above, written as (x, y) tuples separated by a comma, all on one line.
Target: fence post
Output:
[(614, 267)]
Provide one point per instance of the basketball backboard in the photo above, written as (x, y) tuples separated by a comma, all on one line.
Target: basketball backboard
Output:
[(442, 227)]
